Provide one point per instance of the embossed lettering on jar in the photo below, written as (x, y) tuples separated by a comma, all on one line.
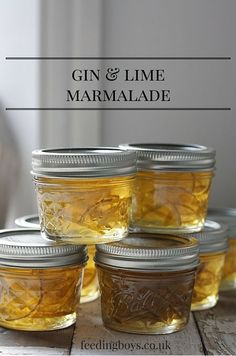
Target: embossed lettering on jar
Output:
[(213, 246), (172, 187), (90, 288), (84, 195), (146, 282), (227, 216), (40, 282)]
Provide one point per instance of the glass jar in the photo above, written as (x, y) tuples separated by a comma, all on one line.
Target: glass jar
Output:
[(172, 187), (213, 246), (146, 282), (90, 288), (227, 216), (40, 282), (84, 194)]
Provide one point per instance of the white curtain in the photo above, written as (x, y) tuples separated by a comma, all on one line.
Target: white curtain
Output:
[(68, 29), (43, 28)]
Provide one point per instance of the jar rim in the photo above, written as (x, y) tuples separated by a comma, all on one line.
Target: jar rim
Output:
[(212, 238), (83, 162), (28, 249), (226, 216), (28, 221), (172, 156), (150, 251)]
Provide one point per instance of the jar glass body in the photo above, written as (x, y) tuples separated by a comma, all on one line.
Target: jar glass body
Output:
[(171, 202), (39, 299), (90, 287), (229, 272), (207, 284), (84, 211), (145, 302)]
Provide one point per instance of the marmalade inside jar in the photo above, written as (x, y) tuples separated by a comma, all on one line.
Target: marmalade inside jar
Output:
[(145, 302), (90, 288), (39, 299), (229, 271), (206, 288), (176, 201), (84, 211)]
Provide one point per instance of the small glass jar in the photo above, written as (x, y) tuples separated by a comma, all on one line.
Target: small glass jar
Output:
[(213, 246), (40, 282), (146, 282), (90, 288), (227, 216), (172, 187), (84, 194)]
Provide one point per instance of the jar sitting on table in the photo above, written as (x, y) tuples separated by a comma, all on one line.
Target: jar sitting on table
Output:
[(146, 282), (212, 249), (40, 281)]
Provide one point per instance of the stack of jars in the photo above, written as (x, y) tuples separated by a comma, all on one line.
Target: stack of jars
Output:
[(144, 207), (171, 195), (84, 198)]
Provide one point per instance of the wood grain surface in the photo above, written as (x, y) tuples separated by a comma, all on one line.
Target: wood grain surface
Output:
[(210, 332), (45, 343), (217, 326), (90, 330)]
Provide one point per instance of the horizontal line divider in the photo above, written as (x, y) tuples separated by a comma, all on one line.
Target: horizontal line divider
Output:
[(107, 109), (119, 58)]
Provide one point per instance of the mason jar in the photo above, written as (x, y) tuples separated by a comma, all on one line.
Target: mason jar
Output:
[(84, 194), (146, 282), (90, 288), (227, 216), (172, 187), (40, 282), (212, 248)]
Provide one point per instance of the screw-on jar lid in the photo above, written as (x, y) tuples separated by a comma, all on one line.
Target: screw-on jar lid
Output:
[(145, 251), (213, 237), (166, 156), (28, 221), (26, 248), (226, 216), (83, 162)]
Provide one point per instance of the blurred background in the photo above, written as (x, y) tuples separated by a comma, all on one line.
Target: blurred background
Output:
[(113, 28)]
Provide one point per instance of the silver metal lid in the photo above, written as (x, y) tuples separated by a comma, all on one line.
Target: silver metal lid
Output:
[(28, 221), (143, 251), (83, 162), (213, 237), (226, 216), (167, 156), (27, 249)]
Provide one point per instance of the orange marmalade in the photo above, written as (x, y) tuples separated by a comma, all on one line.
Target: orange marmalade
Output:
[(84, 194), (227, 216), (90, 290), (172, 187), (212, 250), (40, 283), (146, 282)]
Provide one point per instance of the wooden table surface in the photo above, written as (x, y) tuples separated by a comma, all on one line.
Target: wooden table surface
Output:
[(210, 332)]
